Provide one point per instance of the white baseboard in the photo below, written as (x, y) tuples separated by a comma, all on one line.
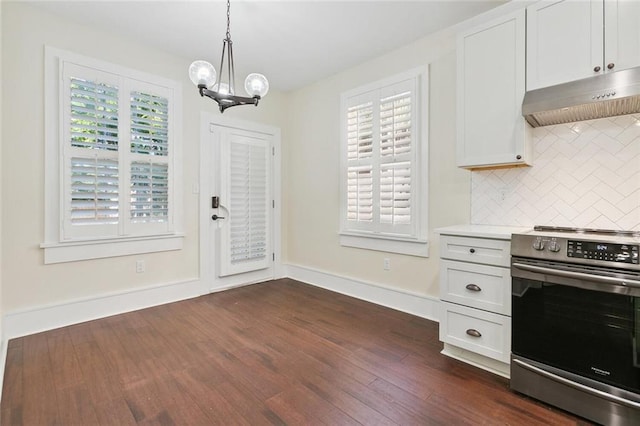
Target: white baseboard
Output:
[(43, 318), (400, 300)]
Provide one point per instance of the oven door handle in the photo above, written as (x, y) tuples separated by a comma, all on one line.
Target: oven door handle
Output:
[(578, 275), (613, 398)]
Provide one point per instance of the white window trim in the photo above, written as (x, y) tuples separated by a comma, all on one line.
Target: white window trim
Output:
[(57, 250), (417, 245)]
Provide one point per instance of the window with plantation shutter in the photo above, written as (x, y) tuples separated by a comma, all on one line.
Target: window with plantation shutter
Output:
[(111, 160), (384, 165)]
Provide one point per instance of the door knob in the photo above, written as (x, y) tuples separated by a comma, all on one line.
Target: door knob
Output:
[(596, 69), (611, 65), (216, 217)]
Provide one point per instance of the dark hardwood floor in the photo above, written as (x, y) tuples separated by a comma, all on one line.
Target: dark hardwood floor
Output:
[(280, 352)]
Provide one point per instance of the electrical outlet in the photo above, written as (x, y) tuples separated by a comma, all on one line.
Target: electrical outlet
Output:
[(503, 193), (140, 266), (386, 264)]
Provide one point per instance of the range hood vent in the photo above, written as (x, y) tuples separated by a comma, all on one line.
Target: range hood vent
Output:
[(607, 95)]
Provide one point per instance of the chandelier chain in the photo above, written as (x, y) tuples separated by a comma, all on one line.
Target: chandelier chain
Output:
[(228, 19)]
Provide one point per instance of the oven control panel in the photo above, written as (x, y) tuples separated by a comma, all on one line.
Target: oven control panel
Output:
[(603, 251), (613, 251)]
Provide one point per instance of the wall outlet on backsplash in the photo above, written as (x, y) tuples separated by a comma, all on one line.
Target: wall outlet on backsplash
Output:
[(584, 174), (503, 193)]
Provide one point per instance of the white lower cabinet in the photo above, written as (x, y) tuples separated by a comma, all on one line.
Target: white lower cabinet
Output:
[(479, 331), (475, 295), (477, 286)]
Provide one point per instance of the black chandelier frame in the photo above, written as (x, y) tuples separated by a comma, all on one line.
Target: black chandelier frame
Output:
[(227, 100)]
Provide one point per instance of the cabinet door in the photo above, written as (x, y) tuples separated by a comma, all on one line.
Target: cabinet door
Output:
[(622, 34), (564, 42), (491, 69)]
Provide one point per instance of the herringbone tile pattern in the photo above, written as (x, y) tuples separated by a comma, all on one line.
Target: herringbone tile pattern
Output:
[(584, 174)]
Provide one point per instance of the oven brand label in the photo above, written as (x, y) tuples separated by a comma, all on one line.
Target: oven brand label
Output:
[(600, 372)]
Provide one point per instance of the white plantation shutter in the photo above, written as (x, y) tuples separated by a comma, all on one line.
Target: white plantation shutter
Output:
[(246, 236), (395, 162), (382, 159), (149, 192), (395, 193), (92, 133), (395, 125), (91, 126), (116, 155), (360, 131), (150, 156), (359, 153), (149, 124), (93, 112), (94, 191), (360, 193)]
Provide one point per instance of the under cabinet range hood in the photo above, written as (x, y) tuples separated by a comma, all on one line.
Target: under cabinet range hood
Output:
[(606, 95)]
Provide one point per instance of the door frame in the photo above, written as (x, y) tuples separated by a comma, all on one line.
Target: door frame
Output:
[(208, 276)]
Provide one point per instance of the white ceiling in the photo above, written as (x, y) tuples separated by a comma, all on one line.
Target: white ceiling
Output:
[(293, 43)]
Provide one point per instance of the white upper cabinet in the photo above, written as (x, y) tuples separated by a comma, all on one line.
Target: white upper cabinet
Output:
[(622, 34), (490, 88), (570, 40)]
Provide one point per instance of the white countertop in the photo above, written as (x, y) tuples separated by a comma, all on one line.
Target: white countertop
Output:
[(482, 231)]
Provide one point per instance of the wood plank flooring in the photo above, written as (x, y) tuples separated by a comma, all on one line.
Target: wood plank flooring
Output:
[(280, 352)]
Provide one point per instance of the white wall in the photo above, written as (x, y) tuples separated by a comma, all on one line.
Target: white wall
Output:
[(26, 282), (312, 162)]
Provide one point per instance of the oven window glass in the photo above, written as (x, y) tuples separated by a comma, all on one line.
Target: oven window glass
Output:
[(589, 333)]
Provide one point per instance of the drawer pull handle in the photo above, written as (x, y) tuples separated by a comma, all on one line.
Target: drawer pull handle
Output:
[(472, 250), (473, 287), (473, 333)]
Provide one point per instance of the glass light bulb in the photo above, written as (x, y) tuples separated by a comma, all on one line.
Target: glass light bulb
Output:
[(256, 84), (223, 89), (202, 73)]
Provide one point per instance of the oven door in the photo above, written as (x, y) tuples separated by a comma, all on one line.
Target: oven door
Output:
[(582, 320)]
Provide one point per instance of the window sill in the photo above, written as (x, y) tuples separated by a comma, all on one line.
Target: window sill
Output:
[(418, 248), (97, 249)]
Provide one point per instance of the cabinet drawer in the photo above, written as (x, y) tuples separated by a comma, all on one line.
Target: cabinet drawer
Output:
[(477, 286), (482, 332), (478, 250)]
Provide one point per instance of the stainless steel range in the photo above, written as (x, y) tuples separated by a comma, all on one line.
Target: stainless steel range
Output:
[(576, 321)]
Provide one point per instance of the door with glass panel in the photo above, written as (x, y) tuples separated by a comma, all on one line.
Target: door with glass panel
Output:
[(241, 219)]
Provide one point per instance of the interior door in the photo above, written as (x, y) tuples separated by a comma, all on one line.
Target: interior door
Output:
[(241, 206)]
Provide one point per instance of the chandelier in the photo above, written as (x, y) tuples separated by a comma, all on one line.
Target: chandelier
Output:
[(203, 75)]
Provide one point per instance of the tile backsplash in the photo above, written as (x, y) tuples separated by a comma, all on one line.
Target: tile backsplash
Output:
[(584, 174)]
